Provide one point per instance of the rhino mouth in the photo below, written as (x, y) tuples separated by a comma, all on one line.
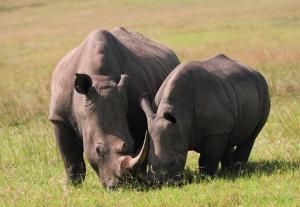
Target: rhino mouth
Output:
[(162, 179), (127, 170)]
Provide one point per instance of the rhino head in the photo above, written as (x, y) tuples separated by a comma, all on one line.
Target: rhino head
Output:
[(167, 149), (101, 114)]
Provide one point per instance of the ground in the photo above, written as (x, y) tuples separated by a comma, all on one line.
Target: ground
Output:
[(34, 36)]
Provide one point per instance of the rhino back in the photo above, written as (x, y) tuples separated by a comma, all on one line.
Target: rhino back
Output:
[(146, 62), (214, 96), (241, 97)]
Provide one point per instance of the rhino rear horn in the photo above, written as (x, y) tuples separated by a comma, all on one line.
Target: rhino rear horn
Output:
[(146, 106), (123, 82)]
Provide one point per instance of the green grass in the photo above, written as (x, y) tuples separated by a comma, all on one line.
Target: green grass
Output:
[(35, 34)]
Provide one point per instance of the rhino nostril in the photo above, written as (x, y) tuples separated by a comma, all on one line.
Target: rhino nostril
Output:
[(98, 150), (101, 151)]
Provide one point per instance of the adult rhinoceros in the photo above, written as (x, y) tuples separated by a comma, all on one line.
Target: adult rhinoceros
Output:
[(94, 105), (216, 107)]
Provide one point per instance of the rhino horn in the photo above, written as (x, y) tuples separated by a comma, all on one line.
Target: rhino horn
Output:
[(123, 82), (133, 163)]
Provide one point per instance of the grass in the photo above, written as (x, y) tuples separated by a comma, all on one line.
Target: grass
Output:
[(35, 34)]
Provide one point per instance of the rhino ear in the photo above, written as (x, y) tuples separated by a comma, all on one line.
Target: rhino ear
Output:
[(170, 117), (82, 83)]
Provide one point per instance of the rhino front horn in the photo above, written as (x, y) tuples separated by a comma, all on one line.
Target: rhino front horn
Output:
[(132, 163)]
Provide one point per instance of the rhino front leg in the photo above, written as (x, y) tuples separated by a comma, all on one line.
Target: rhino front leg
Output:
[(211, 153), (71, 151)]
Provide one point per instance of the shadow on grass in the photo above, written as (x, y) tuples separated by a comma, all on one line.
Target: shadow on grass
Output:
[(256, 168), (248, 170)]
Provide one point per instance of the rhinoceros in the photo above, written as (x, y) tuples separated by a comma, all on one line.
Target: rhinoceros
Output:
[(215, 107), (94, 106)]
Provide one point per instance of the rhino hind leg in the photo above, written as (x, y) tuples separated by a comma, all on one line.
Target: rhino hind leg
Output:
[(243, 150), (71, 152), (211, 154), (242, 153)]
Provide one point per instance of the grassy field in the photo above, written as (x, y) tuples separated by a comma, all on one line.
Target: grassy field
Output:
[(35, 34)]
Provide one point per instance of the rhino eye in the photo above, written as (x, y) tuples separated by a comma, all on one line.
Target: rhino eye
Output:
[(170, 118), (101, 152)]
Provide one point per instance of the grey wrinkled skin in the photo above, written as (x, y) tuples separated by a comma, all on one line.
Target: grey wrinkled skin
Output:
[(94, 104), (215, 107)]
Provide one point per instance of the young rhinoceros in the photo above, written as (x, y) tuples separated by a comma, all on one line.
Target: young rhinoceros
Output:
[(215, 107)]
